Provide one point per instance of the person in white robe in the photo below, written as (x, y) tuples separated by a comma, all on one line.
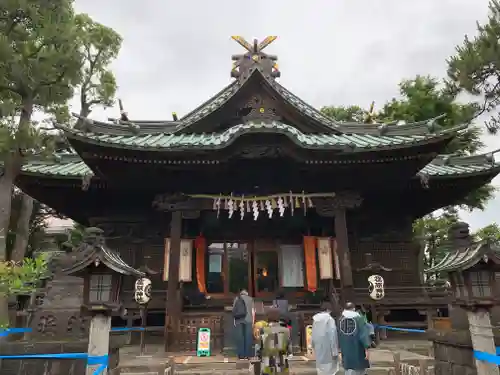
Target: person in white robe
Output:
[(325, 342)]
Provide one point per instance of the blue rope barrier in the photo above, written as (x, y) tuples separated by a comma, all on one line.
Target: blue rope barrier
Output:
[(102, 360), (399, 329), (10, 331), (487, 357), (126, 329), (482, 356)]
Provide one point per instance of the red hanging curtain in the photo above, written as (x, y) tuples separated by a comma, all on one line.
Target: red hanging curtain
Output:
[(310, 260), (200, 244)]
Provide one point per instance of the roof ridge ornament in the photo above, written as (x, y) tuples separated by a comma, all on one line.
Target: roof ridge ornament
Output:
[(254, 59)]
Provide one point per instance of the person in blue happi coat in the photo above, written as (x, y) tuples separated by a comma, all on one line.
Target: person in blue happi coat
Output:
[(354, 340)]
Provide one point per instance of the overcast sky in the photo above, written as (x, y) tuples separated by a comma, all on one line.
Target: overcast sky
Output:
[(176, 54)]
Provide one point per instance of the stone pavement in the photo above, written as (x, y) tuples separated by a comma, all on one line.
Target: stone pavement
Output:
[(155, 361)]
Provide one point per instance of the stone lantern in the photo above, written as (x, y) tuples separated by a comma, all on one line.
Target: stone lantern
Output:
[(102, 271), (472, 269)]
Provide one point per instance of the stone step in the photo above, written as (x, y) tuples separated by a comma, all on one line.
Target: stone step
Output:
[(293, 371), (297, 364)]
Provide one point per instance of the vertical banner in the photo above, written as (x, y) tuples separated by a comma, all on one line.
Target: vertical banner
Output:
[(292, 269), (336, 261), (185, 273), (310, 260), (325, 259), (200, 244)]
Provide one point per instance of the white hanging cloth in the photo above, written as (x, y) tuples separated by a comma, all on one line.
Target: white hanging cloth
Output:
[(292, 266)]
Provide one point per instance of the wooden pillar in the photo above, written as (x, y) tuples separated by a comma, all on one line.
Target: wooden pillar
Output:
[(174, 306), (374, 320), (100, 325), (382, 332), (344, 255)]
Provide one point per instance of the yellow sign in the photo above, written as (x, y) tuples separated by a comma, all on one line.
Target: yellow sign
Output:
[(203, 346), (309, 331)]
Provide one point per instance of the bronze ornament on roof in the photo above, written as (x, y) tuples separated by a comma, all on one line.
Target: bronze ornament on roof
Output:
[(254, 58)]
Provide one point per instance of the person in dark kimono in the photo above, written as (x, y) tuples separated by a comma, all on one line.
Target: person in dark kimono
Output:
[(354, 340)]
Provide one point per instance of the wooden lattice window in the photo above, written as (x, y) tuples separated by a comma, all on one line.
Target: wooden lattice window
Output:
[(100, 288), (460, 290), (480, 283)]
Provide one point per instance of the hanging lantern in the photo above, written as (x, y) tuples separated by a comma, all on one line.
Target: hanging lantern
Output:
[(142, 291), (376, 287)]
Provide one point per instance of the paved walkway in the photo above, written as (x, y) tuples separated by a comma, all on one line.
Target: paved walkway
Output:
[(155, 359)]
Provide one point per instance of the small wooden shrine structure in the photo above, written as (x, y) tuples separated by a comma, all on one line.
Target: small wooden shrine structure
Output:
[(473, 268), (256, 189)]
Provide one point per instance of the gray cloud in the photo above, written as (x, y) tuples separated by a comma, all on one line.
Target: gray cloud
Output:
[(176, 54)]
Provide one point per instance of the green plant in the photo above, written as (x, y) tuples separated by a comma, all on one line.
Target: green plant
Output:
[(24, 277)]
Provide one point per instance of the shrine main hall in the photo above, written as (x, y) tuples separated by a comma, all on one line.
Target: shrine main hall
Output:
[(256, 189)]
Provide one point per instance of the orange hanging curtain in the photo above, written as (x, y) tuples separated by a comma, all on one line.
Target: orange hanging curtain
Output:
[(310, 260), (200, 244)]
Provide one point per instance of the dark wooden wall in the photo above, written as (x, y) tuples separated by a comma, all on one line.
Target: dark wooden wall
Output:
[(390, 241)]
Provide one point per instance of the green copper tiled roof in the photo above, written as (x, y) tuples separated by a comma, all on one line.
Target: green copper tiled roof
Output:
[(178, 142), (72, 166), (188, 123), (463, 259)]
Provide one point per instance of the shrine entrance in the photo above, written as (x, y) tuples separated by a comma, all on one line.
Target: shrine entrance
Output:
[(263, 267), (276, 266)]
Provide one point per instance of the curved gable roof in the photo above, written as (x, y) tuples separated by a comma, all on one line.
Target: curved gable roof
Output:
[(318, 121), (212, 141)]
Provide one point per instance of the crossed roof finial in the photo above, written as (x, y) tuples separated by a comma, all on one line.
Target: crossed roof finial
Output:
[(254, 58)]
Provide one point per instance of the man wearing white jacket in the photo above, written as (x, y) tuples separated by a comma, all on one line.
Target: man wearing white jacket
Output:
[(325, 342)]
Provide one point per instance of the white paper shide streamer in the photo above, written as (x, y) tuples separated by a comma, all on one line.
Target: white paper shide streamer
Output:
[(278, 203)]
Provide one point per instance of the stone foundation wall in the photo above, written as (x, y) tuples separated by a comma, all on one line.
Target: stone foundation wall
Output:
[(453, 354), (453, 360), (51, 366)]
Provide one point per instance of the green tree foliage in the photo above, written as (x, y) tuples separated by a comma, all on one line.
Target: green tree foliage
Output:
[(351, 113), (40, 64), (100, 45), (423, 98), (475, 68), (432, 232), (21, 278), (490, 232)]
